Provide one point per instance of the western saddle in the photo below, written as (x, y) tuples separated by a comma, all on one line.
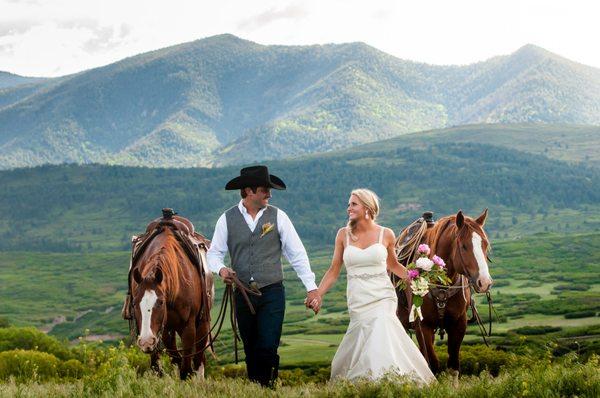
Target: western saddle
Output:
[(194, 244)]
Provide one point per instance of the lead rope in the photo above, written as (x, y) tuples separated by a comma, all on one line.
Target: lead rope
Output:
[(404, 257), (228, 297), (480, 324)]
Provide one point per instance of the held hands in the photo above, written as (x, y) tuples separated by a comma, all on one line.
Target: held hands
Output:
[(313, 300), (227, 275)]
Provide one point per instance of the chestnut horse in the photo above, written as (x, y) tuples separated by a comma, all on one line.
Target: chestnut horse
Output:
[(167, 297), (463, 244)]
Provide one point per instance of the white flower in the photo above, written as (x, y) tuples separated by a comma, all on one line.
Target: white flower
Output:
[(425, 264), (420, 286)]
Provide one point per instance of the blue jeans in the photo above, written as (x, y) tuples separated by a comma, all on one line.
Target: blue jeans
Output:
[(261, 333)]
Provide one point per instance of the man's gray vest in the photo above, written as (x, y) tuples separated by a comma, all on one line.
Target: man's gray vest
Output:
[(253, 255)]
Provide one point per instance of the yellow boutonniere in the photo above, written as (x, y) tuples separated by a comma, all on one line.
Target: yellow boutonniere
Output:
[(266, 228)]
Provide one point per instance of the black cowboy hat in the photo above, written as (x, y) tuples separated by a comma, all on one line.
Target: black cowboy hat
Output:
[(255, 176)]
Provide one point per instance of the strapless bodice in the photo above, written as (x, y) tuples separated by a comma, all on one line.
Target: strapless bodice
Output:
[(370, 260)]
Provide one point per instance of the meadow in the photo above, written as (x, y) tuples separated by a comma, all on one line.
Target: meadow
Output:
[(545, 341), (42, 366), (545, 280), (61, 333)]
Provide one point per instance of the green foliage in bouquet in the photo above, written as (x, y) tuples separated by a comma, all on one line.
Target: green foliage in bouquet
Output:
[(423, 274)]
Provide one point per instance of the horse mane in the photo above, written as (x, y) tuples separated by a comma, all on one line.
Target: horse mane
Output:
[(169, 259), (438, 229), (449, 222)]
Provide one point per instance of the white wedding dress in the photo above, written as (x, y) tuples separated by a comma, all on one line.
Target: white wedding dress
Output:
[(375, 342)]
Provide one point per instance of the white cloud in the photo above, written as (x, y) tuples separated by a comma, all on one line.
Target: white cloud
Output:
[(291, 12), (65, 36)]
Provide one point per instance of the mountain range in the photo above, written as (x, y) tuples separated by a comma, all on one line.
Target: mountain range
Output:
[(223, 100)]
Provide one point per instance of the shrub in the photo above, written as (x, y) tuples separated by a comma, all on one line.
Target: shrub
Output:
[(572, 287), (30, 338), (534, 330), (528, 284), (26, 365), (477, 358), (233, 370), (580, 314), (72, 369)]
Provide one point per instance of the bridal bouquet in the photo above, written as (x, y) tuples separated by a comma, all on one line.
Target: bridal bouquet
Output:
[(421, 274)]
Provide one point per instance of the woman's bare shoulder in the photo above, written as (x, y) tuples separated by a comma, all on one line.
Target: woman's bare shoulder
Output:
[(388, 233)]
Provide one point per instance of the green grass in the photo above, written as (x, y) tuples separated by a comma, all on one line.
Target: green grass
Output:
[(537, 379), (303, 349), (35, 288)]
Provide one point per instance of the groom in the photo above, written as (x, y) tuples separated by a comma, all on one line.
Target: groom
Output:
[(255, 235)]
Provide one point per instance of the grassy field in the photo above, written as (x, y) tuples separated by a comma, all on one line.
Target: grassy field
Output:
[(538, 281), (537, 348), (118, 372)]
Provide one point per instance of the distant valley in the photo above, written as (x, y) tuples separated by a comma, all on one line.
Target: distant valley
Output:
[(533, 179)]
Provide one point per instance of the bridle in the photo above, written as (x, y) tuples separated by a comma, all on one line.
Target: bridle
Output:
[(211, 334), (440, 302)]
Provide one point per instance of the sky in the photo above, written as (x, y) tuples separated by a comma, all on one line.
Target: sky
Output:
[(58, 37)]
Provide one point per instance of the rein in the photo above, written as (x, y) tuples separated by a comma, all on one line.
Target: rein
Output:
[(474, 311), (228, 298), (480, 324), (484, 333)]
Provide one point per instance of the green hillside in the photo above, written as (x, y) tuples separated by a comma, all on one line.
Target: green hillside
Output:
[(224, 100), (569, 143), (93, 207)]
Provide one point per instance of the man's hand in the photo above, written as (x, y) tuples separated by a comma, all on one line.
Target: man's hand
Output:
[(227, 275), (313, 300)]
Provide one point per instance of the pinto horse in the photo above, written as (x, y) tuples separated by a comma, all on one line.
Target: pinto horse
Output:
[(167, 299), (463, 244)]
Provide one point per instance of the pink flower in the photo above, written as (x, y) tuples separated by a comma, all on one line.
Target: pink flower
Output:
[(424, 249), (438, 261), (413, 273)]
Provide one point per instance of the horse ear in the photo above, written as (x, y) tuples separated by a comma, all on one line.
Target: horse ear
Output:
[(137, 277), (158, 276), (481, 219), (460, 219)]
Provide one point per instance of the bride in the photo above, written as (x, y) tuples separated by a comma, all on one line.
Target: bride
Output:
[(375, 342)]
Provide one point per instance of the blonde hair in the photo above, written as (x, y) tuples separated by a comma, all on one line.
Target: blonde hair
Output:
[(370, 201)]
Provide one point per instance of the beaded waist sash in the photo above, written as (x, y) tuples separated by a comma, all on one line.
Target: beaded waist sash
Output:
[(368, 276)]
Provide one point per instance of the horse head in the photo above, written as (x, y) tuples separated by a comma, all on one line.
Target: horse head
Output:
[(150, 308), (469, 254)]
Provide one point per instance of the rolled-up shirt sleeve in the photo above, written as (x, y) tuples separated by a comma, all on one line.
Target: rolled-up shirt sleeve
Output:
[(294, 251), (218, 246)]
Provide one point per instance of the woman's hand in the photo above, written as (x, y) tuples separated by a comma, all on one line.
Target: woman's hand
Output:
[(313, 300)]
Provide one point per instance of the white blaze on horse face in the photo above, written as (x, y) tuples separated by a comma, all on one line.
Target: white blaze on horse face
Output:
[(146, 306), (485, 280)]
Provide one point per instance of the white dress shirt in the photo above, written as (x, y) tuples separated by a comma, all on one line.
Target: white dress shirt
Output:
[(291, 245)]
